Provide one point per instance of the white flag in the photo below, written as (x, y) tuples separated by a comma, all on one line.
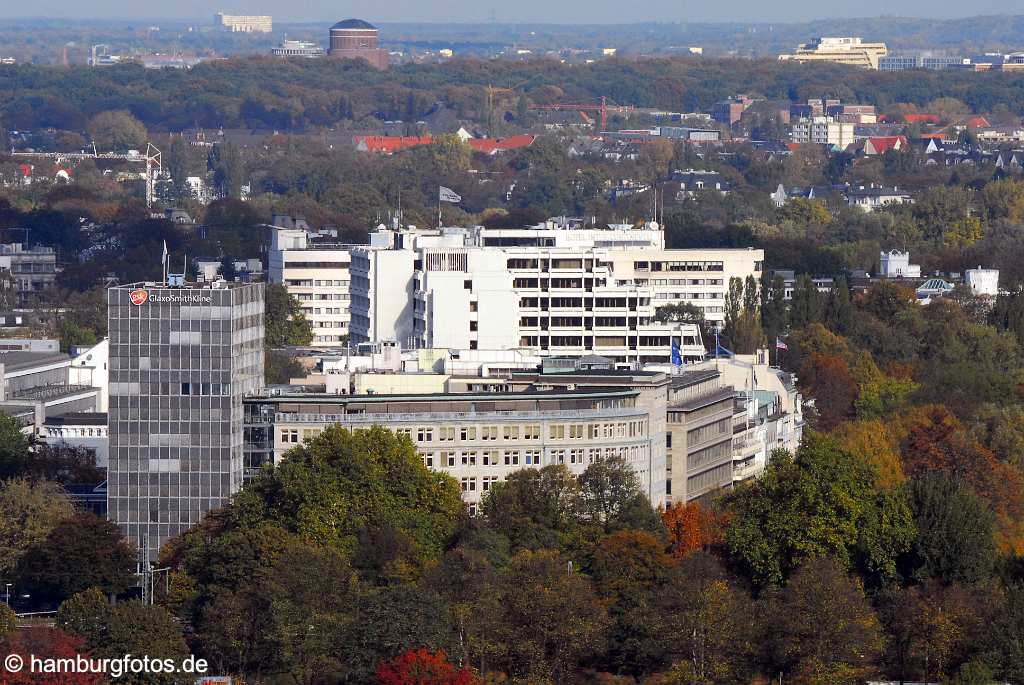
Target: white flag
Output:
[(448, 195), (165, 251)]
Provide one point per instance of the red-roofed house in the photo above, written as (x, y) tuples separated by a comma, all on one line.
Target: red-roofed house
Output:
[(977, 122), (389, 145), (921, 118), (879, 145)]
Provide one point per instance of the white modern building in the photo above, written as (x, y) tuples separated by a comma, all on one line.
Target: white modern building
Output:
[(238, 23), (823, 131), (558, 289), (316, 273)]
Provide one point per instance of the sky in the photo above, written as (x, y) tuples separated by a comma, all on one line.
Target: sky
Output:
[(503, 11)]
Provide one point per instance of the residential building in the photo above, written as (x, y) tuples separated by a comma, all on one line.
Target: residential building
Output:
[(694, 135), (298, 48), (244, 23), (90, 366), (931, 289), (182, 357), (872, 197), (896, 264), (823, 131), (316, 273), (477, 438), (848, 50), (32, 270)]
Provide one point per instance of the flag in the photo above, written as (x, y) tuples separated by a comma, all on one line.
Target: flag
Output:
[(165, 251), (677, 357), (719, 350), (779, 345), (448, 195)]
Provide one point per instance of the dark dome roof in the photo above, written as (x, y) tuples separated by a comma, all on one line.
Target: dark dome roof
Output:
[(354, 24)]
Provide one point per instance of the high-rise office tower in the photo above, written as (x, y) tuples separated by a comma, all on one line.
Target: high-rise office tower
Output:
[(181, 359)]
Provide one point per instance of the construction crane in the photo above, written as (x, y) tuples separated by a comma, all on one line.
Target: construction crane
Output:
[(152, 158), (492, 90), (603, 109)]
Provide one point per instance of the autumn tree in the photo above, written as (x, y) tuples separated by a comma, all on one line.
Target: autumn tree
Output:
[(46, 643), (421, 667), (629, 569), (708, 629), (692, 527), (824, 629)]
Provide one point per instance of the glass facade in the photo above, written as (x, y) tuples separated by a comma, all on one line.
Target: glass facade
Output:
[(181, 360)]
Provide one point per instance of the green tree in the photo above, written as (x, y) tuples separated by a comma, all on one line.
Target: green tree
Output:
[(954, 531), (536, 508), (113, 630), (838, 309), (228, 167), (542, 634), (341, 483), (14, 453), (117, 131), (611, 499), (28, 513), (806, 306), (284, 321), (679, 312), (773, 309), (823, 502), (80, 552)]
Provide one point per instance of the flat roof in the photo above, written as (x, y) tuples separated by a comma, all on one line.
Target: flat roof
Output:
[(329, 398), (706, 400), (211, 285), (78, 418), (16, 360), (685, 379)]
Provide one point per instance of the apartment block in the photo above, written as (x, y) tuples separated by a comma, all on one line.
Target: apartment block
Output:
[(237, 23), (823, 131), (316, 272), (182, 358), (32, 269)]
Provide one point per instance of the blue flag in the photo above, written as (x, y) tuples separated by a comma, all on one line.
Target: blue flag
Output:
[(719, 350), (677, 357)]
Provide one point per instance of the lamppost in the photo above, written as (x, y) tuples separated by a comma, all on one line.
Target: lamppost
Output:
[(8, 594)]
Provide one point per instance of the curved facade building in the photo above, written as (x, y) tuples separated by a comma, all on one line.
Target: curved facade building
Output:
[(357, 39)]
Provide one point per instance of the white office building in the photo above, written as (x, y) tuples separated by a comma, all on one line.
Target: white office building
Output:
[(558, 289), (823, 131)]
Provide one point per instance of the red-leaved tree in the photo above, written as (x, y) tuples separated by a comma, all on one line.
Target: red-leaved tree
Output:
[(44, 643), (420, 667)]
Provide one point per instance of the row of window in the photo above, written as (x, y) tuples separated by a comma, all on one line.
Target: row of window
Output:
[(578, 455), (574, 431)]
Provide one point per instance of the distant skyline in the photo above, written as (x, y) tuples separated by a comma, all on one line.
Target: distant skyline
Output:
[(522, 11)]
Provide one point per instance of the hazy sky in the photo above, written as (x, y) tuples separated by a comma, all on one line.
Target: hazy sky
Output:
[(555, 11)]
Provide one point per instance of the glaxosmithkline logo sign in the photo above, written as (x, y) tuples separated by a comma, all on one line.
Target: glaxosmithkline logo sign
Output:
[(139, 297)]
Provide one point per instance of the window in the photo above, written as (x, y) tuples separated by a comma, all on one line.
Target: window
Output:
[(489, 433), (556, 432), (449, 458), (468, 433), (424, 434), (511, 432), (576, 431), (428, 460), (511, 458), (532, 457), (290, 435), (446, 433), (531, 432), (469, 458)]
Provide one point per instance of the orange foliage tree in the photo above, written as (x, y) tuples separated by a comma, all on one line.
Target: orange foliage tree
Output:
[(936, 441), (875, 443), (421, 667), (834, 388), (692, 528)]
